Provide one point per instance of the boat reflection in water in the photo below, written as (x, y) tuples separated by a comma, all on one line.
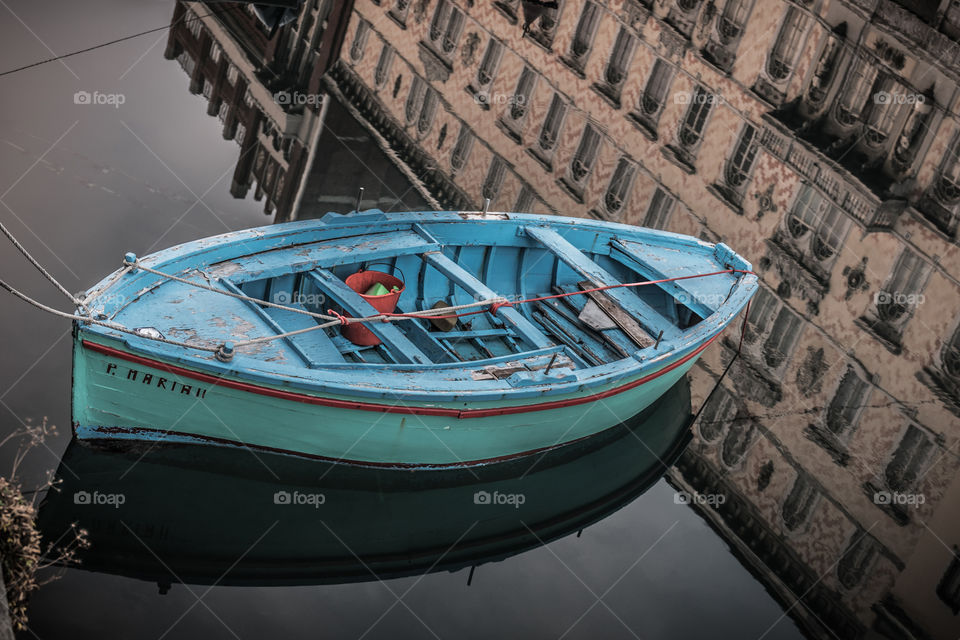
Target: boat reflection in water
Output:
[(192, 514)]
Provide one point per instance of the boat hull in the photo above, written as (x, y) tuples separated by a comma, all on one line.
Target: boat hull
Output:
[(124, 396)]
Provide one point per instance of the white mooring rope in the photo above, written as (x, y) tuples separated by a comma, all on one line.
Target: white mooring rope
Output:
[(33, 261), (225, 350), (103, 323)]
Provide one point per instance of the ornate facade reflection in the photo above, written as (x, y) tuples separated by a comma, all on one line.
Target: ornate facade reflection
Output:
[(820, 138), (264, 84)]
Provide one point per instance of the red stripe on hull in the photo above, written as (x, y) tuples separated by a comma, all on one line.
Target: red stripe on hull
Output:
[(385, 408)]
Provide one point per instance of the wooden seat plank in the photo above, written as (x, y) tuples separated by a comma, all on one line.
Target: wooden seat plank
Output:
[(472, 285), (315, 344), (326, 254), (656, 262), (649, 318), (398, 345)]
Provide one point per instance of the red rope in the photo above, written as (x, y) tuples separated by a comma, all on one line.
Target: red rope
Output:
[(342, 319), (495, 306)]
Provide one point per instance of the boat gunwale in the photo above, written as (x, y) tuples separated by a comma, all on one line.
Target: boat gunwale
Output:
[(359, 222), (426, 410)]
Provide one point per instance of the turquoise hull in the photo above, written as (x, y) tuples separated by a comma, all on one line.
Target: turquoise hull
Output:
[(122, 400)]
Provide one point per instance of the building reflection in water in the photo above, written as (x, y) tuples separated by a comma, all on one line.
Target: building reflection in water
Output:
[(263, 87), (821, 139)]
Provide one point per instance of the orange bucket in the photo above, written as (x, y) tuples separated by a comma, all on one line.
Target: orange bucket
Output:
[(360, 282)]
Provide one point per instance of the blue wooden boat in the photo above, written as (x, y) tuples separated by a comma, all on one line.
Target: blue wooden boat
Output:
[(183, 345)]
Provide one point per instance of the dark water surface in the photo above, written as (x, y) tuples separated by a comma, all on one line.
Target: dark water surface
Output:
[(200, 548)]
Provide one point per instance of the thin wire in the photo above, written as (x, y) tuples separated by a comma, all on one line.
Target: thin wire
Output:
[(495, 304), (104, 44), (743, 332), (426, 313), (238, 296)]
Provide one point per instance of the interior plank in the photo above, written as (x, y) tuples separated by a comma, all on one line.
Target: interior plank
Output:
[(523, 327), (398, 345), (648, 317)]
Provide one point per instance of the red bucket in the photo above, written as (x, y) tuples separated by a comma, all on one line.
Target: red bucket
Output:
[(360, 282)]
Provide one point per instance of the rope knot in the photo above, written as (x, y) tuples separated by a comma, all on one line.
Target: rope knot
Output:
[(496, 306), (225, 352), (343, 320)]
